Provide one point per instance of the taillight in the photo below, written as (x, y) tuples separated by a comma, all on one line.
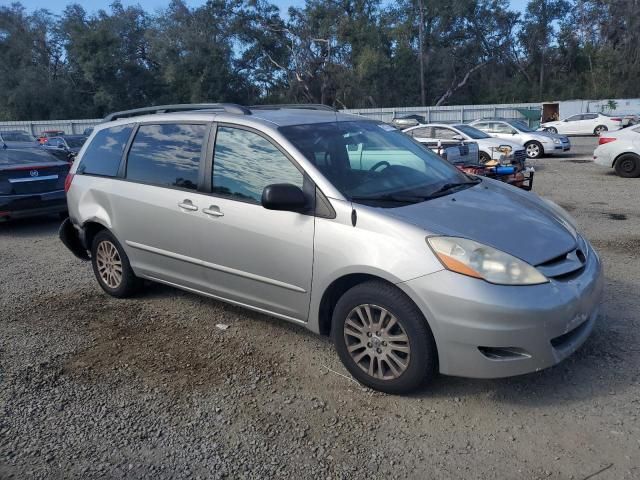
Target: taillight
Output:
[(67, 182), (616, 119), (604, 140)]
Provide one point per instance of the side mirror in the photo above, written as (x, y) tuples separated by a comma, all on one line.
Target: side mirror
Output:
[(283, 196), (458, 137), (513, 132), (61, 146)]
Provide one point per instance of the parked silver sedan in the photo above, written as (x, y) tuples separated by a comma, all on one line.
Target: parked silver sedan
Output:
[(343, 225), (536, 143)]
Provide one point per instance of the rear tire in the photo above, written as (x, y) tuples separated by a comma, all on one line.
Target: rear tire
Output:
[(628, 165), (534, 149), (382, 338), (552, 130), (111, 266), (599, 129)]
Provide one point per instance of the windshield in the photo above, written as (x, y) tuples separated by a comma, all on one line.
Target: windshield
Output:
[(17, 137), (472, 132), (371, 162), (519, 125), (75, 142)]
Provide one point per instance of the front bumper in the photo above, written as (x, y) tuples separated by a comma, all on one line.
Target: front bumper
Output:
[(558, 147), (21, 206), (490, 331)]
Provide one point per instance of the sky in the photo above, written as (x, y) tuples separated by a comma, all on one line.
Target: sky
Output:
[(57, 6)]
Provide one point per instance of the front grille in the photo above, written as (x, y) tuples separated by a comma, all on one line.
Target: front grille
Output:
[(567, 265)]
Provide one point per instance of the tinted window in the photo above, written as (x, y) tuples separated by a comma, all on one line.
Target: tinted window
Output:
[(102, 156), (589, 116), (482, 126), (245, 162), (166, 154), (500, 127), (421, 132), (574, 118), (443, 133)]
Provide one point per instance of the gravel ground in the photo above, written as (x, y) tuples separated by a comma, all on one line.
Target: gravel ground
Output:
[(148, 387)]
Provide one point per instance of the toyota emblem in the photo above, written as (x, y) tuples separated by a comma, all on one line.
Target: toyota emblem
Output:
[(34, 173)]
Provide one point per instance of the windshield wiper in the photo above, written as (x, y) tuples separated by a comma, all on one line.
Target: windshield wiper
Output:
[(450, 186)]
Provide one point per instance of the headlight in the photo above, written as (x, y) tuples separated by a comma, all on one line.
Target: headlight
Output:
[(474, 259), (557, 140)]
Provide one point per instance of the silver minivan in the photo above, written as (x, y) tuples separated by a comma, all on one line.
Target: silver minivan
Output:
[(341, 224)]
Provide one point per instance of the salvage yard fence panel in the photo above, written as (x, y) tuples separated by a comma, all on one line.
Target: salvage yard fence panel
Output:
[(35, 128), (448, 114), (441, 114)]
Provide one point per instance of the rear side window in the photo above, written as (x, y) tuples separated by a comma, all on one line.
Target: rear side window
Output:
[(421, 132), (102, 156), (167, 155)]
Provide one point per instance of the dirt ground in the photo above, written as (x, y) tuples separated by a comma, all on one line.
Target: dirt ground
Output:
[(149, 387)]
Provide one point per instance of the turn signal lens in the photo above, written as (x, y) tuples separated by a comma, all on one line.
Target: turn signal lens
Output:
[(476, 260)]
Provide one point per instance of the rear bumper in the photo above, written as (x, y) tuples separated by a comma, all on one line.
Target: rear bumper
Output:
[(21, 206), (72, 239), (491, 331)]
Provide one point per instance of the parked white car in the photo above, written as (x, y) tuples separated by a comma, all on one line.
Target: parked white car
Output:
[(620, 150), (490, 148), (536, 144), (584, 124)]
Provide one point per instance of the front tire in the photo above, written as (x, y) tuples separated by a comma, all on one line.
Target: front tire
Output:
[(111, 266), (534, 149), (599, 130), (382, 338), (628, 165), (484, 157)]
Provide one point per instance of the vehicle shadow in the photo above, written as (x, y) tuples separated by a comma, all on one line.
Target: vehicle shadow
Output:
[(32, 226), (585, 374)]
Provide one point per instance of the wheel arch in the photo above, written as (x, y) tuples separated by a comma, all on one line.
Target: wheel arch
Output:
[(90, 229), (621, 154)]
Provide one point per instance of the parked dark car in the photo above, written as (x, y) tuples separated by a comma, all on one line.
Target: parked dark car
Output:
[(65, 148), (17, 139), (48, 134), (31, 183)]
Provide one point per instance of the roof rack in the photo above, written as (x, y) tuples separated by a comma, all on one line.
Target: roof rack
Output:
[(183, 107), (301, 106)]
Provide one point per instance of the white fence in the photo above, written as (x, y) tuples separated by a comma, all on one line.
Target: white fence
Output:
[(70, 127), (443, 114), (448, 114)]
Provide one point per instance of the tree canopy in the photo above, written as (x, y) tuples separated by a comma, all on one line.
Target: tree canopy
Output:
[(346, 53)]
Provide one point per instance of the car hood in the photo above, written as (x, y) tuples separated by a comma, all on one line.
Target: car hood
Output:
[(498, 215)]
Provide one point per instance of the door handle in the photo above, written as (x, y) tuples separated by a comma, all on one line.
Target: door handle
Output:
[(188, 205), (214, 211)]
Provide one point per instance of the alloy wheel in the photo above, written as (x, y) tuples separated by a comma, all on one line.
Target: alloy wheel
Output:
[(377, 342), (533, 150), (109, 264)]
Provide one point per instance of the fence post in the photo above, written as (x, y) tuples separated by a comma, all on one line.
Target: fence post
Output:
[(33, 133), (461, 114)]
